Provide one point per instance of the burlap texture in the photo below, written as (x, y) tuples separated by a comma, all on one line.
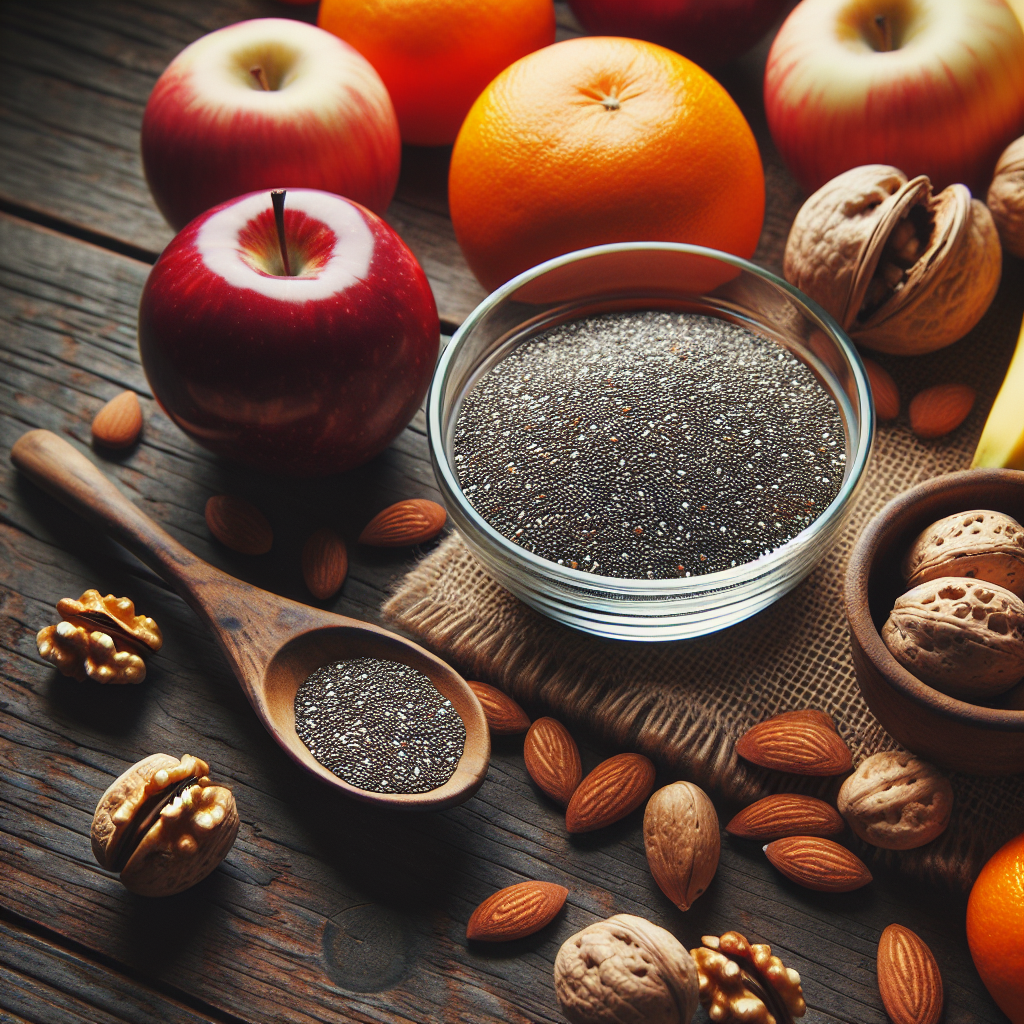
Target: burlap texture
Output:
[(685, 703)]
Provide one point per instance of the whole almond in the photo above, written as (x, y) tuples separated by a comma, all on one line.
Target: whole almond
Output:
[(504, 716), (884, 392), (818, 864), (939, 410), (119, 423), (610, 792), (516, 912), (406, 522), (786, 814), (908, 978), (553, 759), (238, 525), (682, 841), (324, 563), (802, 742)]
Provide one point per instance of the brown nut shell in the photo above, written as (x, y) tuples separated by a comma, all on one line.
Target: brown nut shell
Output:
[(1006, 197), (902, 270), (188, 836), (896, 801), (978, 544), (682, 841), (963, 637), (625, 969)]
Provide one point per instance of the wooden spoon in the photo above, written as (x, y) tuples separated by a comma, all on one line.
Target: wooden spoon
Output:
[(271, 643)]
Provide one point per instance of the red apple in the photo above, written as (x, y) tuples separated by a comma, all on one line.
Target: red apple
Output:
[(709, 32), (933, 87), (305, 373), (266, 103)]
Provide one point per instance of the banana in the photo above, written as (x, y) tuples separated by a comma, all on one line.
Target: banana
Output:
[(1002, 440)]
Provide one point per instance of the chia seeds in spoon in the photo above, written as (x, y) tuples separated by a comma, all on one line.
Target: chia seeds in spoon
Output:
[(649, 445), (379, 725)]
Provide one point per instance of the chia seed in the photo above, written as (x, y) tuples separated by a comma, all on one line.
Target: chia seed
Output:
[(649, 445), (379, 725)]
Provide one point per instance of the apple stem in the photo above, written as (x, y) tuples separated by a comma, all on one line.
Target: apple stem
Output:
[(260, 75), (277, 198), (884, 26)]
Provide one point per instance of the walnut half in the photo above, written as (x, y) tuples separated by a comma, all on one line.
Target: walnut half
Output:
[(163, 825), (625, 970), (742, 983)]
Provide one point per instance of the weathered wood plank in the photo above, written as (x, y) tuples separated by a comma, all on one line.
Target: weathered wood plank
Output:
[(324, 910)]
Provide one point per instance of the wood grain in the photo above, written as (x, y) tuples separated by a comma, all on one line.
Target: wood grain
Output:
[(325, 910)]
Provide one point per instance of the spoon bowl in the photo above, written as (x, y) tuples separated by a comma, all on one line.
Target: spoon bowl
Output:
[(271, 643)]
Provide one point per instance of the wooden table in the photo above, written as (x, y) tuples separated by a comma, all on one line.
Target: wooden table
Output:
[(325, 910)]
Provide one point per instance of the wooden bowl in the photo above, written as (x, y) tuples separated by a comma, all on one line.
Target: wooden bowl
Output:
[(948, 732)]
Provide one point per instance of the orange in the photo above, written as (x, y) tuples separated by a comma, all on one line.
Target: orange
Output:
[(601, 139), (435, 56), (995, 928)]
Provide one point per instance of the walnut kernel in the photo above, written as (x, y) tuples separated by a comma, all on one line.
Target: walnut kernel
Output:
[(896, 801), (114, 616), (83, 655)]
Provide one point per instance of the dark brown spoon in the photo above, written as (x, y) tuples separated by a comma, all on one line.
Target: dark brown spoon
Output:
[(271, 643)]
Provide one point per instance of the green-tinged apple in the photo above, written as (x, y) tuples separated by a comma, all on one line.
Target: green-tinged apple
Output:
[(933, 87), (267, 103), (299, 344)]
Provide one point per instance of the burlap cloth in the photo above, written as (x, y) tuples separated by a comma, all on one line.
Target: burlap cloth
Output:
[(684, 703)]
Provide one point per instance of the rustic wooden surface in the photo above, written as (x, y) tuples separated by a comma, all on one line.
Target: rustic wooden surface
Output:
[(325, 910)]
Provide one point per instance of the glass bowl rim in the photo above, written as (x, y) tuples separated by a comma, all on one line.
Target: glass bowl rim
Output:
[(640, 589)]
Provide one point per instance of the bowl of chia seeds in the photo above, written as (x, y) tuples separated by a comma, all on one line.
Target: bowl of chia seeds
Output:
[(649, 440)]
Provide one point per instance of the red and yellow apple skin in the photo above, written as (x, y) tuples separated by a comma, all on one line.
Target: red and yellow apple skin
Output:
[(211, 131), (945, 101), (303, 375), (709, 32)]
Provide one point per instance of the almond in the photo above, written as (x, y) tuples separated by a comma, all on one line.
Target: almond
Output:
[(786, 814), (238, 525), (553, 759), (504, 716), (324, 563), (908, 978), (516, 912), (884, 392), (803, 742), (610, 792), (406, 522), (818, 864), (939, 410), (119, 423)]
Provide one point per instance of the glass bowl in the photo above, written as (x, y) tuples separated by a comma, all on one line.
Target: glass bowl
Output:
[(640, 276)]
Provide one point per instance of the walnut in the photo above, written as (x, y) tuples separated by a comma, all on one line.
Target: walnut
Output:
[(1006, 197), (961, 636), (742, 983), (83, 655), (902, 271), (163, 825), (896, 801), (625, 970), (978, 544), (114, 616)]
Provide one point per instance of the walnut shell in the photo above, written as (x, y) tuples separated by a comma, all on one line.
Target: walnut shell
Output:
[(164, 825), (896, 801), (902, 271), (979, 544), (625, 970), (961, 636), (1006, 197), (682, 841)]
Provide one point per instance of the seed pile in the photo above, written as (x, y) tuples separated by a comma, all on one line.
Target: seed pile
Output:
[(379, 725), (649, 445)]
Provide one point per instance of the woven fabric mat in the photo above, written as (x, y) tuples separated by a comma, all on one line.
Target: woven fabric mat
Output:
[(685, 703)]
